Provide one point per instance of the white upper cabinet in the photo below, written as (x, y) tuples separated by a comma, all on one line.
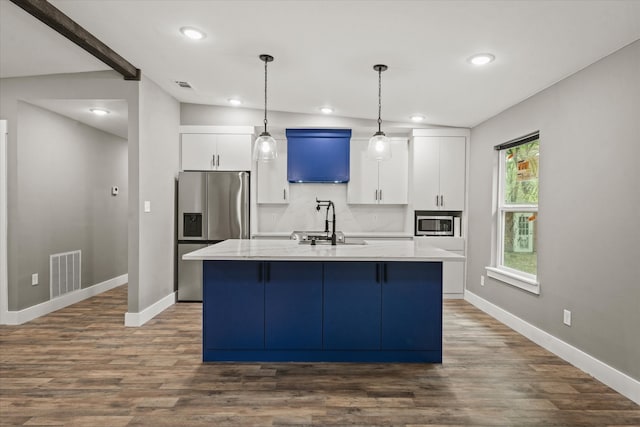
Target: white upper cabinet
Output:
[(439, 172), (198, 151), (393, 174), (363, 174), (378, 182), (272, 183), (234, 152), (201, 148)]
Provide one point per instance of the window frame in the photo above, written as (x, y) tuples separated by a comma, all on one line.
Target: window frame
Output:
[(521, 279)]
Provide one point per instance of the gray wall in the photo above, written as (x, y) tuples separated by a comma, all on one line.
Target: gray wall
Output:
[(153, 168), (24, 158), (65, 175), (588, 231)]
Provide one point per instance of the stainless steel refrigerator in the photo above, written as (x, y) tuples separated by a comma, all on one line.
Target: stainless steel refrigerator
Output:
[(212, 207)]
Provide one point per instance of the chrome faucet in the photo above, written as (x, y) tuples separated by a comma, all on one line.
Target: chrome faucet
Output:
[(328, 204)]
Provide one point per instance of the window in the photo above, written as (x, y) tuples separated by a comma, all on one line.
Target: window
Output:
[(516, 258)]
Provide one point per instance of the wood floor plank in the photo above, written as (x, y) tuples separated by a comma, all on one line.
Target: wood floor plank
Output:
[(81, 367)]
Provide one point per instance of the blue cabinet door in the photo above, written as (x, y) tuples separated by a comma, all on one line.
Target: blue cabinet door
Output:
[(352, 306), (411, 306), (233, 305), (293, 305)]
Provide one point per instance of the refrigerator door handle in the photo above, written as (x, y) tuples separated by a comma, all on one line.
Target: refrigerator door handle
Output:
[(245, 213)]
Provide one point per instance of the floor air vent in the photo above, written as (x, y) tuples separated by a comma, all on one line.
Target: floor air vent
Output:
[(64, 271)]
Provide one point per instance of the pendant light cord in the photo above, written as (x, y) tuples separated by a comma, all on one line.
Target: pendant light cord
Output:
[(265, 95), (379, 99)]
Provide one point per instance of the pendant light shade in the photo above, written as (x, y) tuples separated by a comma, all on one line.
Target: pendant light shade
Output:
[(379, 145), (265, 147)]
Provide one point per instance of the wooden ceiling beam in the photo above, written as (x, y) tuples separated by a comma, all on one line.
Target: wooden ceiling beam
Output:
[(54, 18)]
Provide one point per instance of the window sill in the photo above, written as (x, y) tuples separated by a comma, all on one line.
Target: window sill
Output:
[(512, 279)]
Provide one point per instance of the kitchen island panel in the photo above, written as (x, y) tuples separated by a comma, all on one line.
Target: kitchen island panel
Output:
[(293, 305), (352, 303), (233, 305), (364, 311), (411, 306)]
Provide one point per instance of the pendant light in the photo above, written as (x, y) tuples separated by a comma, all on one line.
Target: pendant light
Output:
[(265, 146), (379, 145)]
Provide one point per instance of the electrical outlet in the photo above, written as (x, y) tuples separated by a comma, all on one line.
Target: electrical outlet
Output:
[(567, 317), (34, 279), (482, 280)]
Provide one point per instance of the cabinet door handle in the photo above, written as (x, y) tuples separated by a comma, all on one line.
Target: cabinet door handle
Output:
[(437, 201), (213, 161), (377, 272), (284, 194), (441, 200), (218, 161), (380, 192), (375, 194), (260, 267), (384, 274)]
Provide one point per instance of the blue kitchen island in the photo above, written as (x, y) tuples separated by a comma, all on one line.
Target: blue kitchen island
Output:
[(274, 300)]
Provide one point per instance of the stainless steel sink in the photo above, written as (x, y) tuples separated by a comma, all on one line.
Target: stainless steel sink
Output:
[(323, 238), (316, 235), (328, 242)]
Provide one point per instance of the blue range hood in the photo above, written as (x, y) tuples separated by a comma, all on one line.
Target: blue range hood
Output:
[(318, 155)]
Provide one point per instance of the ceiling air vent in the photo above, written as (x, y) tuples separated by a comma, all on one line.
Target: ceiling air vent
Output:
[(185, 85)]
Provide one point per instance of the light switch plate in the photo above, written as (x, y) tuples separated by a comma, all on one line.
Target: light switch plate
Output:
[(567, 317), (34, 279), (147, 206)]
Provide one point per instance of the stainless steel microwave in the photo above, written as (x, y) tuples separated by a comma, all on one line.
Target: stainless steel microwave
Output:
[(434, 225)]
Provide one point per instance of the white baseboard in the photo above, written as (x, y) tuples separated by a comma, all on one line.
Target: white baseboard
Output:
[(139, 319), (22, 316), (619, 381), (452, 296)]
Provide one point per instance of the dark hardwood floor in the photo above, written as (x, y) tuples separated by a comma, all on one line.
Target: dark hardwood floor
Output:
[(81, 367)]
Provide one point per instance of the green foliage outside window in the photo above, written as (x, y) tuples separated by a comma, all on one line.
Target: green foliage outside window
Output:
[(521, 180), (521, 188)]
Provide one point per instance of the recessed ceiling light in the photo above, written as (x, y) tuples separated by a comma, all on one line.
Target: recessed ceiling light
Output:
[(482, 59), (234, 101), (192, 33), (99, 111), (417, 118), (326, 110)]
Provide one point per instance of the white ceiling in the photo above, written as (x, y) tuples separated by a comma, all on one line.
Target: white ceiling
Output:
[(116, 122), (324, 50)]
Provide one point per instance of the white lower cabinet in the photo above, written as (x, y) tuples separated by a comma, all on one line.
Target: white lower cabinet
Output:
[(452, 272), (453, 277)]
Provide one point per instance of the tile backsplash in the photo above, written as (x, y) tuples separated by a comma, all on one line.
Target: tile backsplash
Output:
[(301, 213)]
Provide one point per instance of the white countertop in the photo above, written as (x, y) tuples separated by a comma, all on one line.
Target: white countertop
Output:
[(291, 250), (358, 234)]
